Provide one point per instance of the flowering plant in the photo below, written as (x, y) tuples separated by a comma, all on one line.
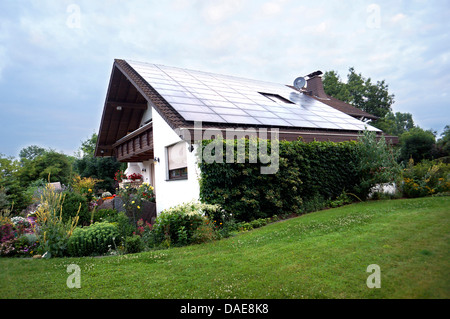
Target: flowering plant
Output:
[(85, 186), (145, 192), (119, 176), (134, 176), (142, 226)]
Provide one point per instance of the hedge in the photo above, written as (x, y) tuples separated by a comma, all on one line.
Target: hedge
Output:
[(307, 171)]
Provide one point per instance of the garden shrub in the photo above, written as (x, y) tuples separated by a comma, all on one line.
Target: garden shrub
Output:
[(51, 230), (425, 178), (96, 239), (133, 244), (134, 198), (206, 232), (309, 176), (123, 223), (71, 205), (377, 163), (306, 170), (104, 214), (179, 223)]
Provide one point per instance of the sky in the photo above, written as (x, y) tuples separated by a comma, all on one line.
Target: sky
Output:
[(56, 56)]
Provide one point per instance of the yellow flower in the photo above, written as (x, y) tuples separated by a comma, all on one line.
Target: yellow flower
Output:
[(90, 190), (138, 207), (132, 202)]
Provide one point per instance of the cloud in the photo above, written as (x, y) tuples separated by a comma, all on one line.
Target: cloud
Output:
[(49, 66), (271, 8), (219, 10), (398, 17)]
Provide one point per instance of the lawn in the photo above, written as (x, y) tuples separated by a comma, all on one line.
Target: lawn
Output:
[(319, 255)]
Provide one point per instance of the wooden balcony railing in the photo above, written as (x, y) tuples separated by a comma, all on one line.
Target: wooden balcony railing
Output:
[(136, 146)]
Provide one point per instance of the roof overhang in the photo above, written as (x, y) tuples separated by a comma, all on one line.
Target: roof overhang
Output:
[(122, 112)]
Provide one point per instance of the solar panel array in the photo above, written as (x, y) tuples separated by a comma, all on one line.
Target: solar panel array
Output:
[(208, 97)]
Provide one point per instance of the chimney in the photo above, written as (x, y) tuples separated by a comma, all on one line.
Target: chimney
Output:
[(315, 85)]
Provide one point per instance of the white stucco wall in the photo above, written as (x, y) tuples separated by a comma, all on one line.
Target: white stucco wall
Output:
[(173, 192)]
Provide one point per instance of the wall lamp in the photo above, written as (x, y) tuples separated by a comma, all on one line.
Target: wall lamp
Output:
[(119, 108), (144, 169), (156, 160)]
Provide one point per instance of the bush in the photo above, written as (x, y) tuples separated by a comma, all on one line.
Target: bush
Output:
[(71, 205), (104, 215), (377, 163), (51, 230), (425, 178), (133, 244), (303, 174), (179, 223), (309, 176), (96, 239), (204, 233), (123, 223)]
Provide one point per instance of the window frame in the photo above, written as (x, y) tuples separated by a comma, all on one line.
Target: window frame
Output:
[(181, 173)]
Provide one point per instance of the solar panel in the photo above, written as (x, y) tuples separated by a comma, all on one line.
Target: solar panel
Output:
[(208, 97)]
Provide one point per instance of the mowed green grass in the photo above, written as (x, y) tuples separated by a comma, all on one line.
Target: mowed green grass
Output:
[(319, 255)]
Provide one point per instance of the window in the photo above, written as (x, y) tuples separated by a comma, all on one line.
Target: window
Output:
[(276, 98), (177, 161)]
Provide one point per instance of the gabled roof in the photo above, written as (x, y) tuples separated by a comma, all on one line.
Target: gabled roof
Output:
[(213, 98), (183, 96)]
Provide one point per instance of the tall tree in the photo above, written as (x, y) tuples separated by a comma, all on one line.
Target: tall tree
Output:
[(12, 191), (360, 92), (334, 86), (88, 146), (31, 152), (52, 164), (418, 144), (443, 144), (395, 124)]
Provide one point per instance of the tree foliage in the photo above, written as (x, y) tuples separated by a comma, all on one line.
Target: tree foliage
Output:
[(395, 124), (12, 192), (31, 152), (443, 144), (51, 166), (373, 98), (102, 168), (418, 144), (88, 146), (377, 163)]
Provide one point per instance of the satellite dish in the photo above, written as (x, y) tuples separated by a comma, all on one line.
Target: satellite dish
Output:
[(299, 82)]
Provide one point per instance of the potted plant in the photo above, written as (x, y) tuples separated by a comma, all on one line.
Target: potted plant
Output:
[(135, 177)]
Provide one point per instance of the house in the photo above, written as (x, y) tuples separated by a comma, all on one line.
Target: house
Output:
[(154, 116)]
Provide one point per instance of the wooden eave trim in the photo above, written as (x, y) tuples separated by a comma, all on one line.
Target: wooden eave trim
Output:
[(97, 150), (140, 106), (170, 115)]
